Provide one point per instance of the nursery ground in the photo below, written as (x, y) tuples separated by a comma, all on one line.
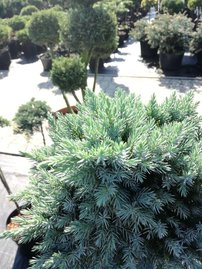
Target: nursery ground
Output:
[(25, 80)]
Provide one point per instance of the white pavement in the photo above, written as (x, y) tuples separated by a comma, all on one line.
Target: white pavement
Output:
[(126, 70)]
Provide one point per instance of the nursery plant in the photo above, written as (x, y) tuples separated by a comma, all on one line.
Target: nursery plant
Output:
[(196, 43), (139, 32), (4, 122), (92, 32), (5, 35), (171, 34), (120, 187), (30, 117), (192, 4), (70, 75), (44, 29), (172, 6)]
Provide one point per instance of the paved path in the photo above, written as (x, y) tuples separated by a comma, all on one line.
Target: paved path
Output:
[(126, 70)]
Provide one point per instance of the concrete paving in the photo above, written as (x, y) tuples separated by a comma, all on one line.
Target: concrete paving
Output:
[(126, 70)]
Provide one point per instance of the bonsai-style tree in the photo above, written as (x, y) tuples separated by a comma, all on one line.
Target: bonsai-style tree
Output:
[(4, 122), (44, 29), (120, 187), (69, 74), (30, 117)]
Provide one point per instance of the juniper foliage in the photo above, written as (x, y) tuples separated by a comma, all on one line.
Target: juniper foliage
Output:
[(119, 188)]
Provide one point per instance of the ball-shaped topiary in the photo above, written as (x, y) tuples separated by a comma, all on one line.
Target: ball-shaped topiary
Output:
[(192, 4), (28, 10), (88, 29), (43, 29), (172, 6), (69, 73)]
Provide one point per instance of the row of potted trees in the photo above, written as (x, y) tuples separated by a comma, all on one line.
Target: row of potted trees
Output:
[(171, 35)]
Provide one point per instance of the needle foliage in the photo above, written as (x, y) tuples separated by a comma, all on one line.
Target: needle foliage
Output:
[(119, 188)]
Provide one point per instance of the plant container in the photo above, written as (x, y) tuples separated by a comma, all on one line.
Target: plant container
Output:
[(170, 61)]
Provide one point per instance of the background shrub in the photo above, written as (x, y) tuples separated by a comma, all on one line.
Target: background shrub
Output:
[(4, 122)]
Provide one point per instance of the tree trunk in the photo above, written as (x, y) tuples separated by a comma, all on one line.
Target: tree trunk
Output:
[(75, 96), (42, 132), (67, 102), (96, 71)]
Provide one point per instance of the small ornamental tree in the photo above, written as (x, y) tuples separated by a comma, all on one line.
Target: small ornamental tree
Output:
[(91, 31), (69, 74), (30, 117), (43, 29), (119, 188), (4, 122)]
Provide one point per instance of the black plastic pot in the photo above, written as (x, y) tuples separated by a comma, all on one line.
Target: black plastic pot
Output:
[(170, 61), (25, 249), (30, 51), (199, 59), (5, 59), (14, 48), (100, 66), (47, 63), (146, 51)]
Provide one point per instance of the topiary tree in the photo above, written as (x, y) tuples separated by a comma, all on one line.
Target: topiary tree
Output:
[(192, 4), (91, 32), (44, 29), (69, 74), (120, 187), (30, 116), (28, 10), (172, 6)]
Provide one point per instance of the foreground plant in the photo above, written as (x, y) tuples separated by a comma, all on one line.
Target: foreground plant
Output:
[(120, 187)]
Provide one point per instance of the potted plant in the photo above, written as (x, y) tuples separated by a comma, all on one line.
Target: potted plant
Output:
[(196, 44), (70, 75), (87, 29), (171, 34), (5, 61), (27, 46), (43, 30), (30, 117), (25, 250), (4, 122), (16, 23), (140, 34), (120, 187)]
